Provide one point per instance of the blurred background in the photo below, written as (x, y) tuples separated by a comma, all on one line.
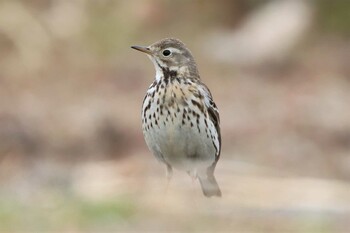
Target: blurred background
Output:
[(72, 154)]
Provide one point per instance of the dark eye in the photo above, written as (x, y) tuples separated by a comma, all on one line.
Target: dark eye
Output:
[(166, 52)]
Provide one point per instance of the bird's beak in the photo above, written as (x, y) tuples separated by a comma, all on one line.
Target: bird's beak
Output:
[(142, 49)]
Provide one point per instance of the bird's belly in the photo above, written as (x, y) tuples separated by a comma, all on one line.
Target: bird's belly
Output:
[(182, 142)]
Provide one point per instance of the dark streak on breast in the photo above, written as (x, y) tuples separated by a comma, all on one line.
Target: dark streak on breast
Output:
[(199, 106)]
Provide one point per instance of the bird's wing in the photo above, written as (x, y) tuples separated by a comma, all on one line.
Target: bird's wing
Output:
[(213, 113)]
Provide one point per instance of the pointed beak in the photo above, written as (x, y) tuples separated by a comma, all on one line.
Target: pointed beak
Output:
[(142, 49)]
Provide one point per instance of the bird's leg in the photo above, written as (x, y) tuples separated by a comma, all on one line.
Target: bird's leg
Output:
[(169, 175), (193, 175), (169, 172)]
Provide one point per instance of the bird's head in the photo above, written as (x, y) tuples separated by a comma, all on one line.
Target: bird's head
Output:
[(172, 55)]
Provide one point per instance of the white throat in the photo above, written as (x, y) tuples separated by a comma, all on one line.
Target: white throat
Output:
[(159, 71)]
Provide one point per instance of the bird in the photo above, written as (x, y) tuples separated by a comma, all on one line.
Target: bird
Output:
[(180, 120)]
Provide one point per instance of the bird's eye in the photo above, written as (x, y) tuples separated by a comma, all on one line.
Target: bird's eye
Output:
[(166, 52)]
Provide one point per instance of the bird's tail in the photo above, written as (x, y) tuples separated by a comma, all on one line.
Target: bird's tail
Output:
[(209, 185)]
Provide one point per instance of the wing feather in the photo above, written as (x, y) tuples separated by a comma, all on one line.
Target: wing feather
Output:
[(214, 116)]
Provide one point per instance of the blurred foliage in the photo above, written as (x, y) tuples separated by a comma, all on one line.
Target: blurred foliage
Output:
[(73, 213), (334, 16), (108, 28)]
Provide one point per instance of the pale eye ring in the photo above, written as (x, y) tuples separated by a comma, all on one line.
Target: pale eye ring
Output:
[(166, 52)]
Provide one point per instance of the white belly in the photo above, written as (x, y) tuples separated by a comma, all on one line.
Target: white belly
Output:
[(182, 142)]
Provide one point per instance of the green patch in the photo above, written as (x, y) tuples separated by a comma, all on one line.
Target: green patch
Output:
[(334, 16), (67, 213)]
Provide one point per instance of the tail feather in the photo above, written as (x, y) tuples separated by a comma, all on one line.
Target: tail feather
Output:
[(209, 186)]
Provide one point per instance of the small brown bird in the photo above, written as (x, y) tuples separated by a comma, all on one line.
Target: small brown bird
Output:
[(180, 120)]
